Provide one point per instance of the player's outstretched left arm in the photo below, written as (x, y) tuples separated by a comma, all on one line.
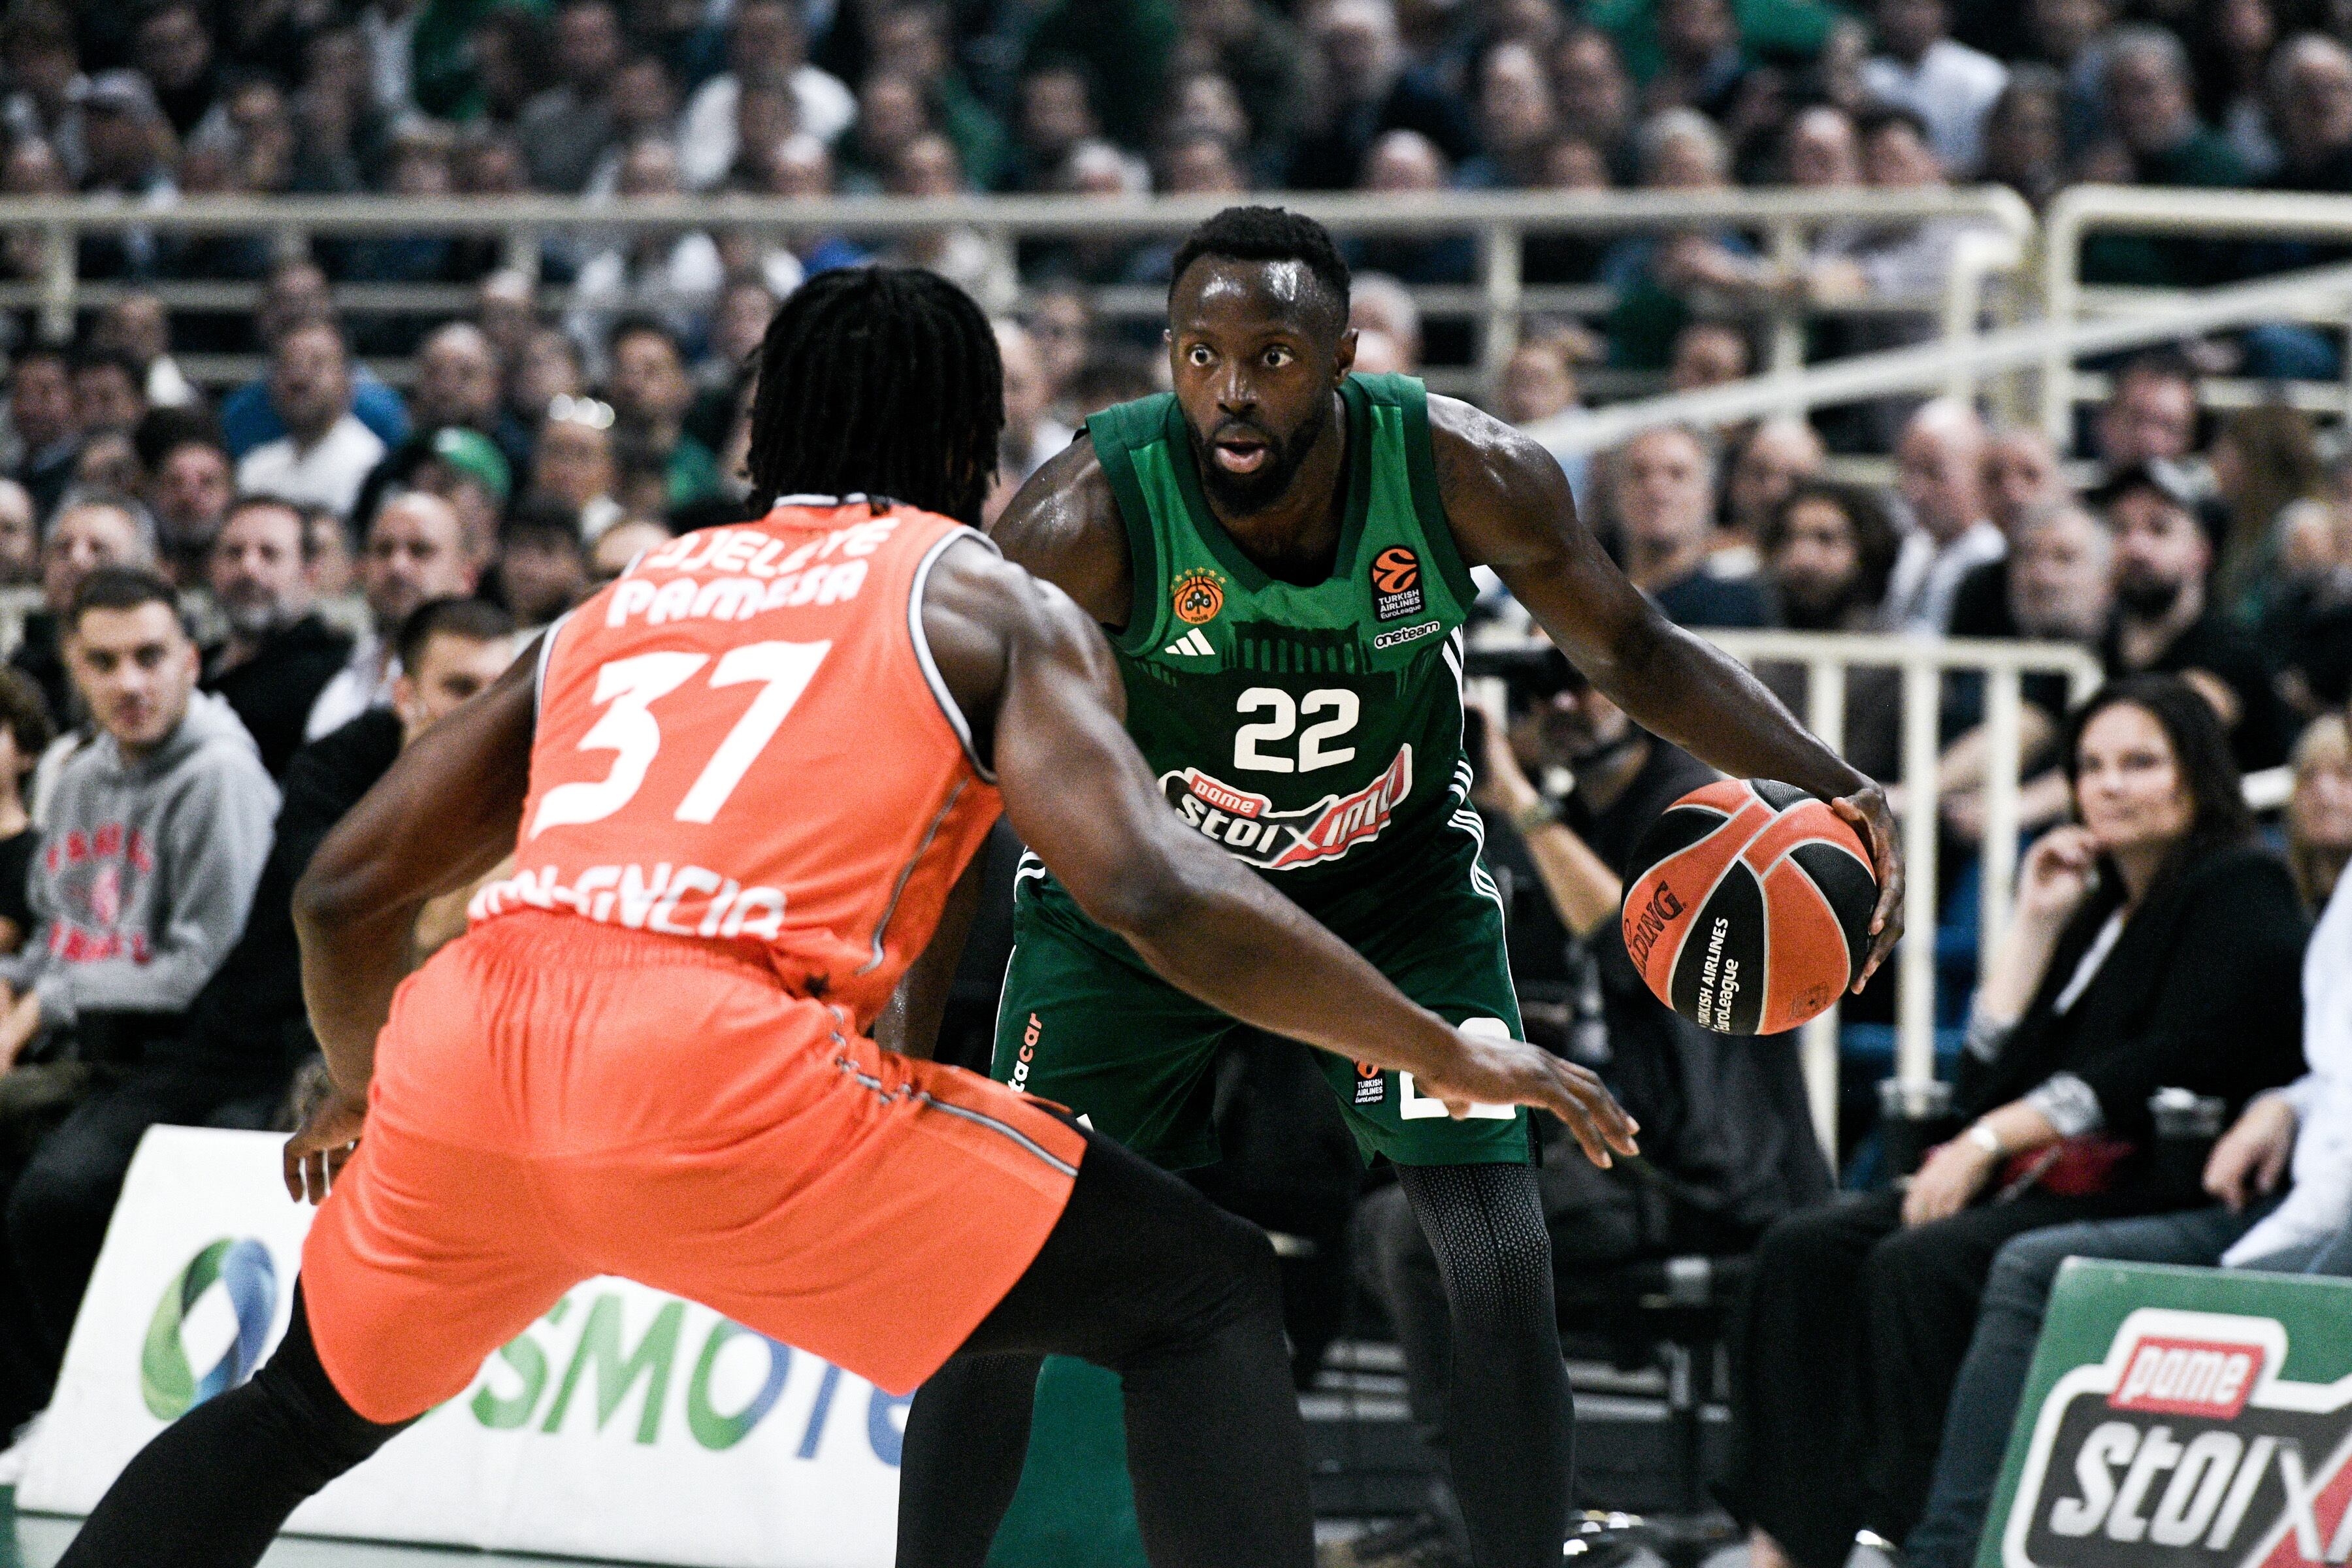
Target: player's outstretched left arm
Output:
[(445, 814), (1511, 510)]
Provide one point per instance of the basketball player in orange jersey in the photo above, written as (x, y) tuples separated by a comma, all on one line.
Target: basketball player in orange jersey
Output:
[(740, 785)]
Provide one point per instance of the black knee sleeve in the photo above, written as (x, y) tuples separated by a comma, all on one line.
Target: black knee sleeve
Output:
[(1486, 1225)]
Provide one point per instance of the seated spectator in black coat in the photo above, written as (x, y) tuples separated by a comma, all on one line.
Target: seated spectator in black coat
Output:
[(1665, 499), (2163, 621), (448, 649), (155, 838), (279, 654), (2153, 946)]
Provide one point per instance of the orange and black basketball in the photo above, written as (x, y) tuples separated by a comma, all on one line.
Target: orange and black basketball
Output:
[(1748, 907)]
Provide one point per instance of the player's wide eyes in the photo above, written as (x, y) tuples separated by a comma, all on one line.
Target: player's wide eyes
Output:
[(1198, 354), (1277, 358)]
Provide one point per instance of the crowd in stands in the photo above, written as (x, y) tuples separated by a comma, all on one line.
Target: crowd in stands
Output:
[(245, 598)]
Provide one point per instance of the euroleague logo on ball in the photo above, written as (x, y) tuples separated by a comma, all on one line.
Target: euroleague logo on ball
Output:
[(1396, 584), (1198, 596), (168, 1383)]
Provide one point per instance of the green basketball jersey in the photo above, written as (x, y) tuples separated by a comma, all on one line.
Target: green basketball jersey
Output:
[(1314, 731)]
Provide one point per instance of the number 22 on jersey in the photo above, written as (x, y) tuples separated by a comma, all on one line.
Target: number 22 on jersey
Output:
[(627, 689)]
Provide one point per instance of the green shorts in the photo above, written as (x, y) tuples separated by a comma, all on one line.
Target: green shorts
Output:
[(1086, 1023)]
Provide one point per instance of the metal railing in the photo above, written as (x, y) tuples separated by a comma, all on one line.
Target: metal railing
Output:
[(1500, 222), (2083, 210), (1924, 663)]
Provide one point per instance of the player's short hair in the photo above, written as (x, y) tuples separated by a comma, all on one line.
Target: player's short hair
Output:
[(1267, 233), (121, 589), (475, 620), (880, 381)]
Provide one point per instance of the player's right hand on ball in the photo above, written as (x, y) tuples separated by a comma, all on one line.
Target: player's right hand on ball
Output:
[(1505, 1072)]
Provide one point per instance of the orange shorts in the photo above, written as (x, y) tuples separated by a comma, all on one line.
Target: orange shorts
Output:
[(555, 1099)]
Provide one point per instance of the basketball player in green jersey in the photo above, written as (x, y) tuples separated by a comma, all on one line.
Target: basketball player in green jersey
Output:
[(1280, 552)]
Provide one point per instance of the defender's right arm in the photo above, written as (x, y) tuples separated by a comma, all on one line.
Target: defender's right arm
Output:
[(1018, 652)]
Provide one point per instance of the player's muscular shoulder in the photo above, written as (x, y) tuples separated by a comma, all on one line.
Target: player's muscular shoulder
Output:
[(1063, 526), (981, 614), (1506, 496)]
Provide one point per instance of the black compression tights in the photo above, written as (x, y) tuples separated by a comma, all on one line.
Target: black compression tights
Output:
[(1147, 1277), (1143, 1274), (213, 1489), (1510, 1425)]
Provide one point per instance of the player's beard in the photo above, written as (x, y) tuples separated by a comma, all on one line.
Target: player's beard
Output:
[(1246, 495)]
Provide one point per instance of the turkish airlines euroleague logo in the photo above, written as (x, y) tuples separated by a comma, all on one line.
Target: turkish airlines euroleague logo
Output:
[(1396, 584)]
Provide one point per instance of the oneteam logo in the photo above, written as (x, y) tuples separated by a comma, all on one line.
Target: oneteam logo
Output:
[(241, 1269)]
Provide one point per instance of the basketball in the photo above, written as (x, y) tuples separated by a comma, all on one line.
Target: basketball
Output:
[(1748, 907)]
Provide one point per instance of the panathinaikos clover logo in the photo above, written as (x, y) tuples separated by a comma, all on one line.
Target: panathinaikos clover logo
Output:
[(242, 1268)]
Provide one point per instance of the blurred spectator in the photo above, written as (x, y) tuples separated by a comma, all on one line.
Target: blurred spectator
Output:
[(29, 168), (326, 453), (155, 840), (890, 117), (2310, 82), (127, 139), (543, 565), (622, 544), (910, 39), (2319, 809), (2151, 103), (110, 463), (764, 46), (1827, 551), (745, 308), (1666, 501), (927, 167), (1656, 277), (20, 540), (457, 384), (25, 730), (651, 393), (1407, 164), (42, 65), (279, 654), (297, 294), (1055, 115), (466, 469), (2154, 944), (564, 130), (673, 276), (2021, 477), (1365, 89), (551, 366), (2151, 416), (420, 160), (1699, 41), (799, 167), (172, 48), (1259, 55), (2165, 623), (1778, 455), (1939, 473), (108, 399), (2024, 135), (189, 493), (41, 427), (1031, 433), (1380, 303), (1595, 96), (572, 462), (1516, 121), (2263, 460), (1945, 83), (1538, 380), (1708, 353), (645, 109), (417, 550), (85, 535), (138, 327)]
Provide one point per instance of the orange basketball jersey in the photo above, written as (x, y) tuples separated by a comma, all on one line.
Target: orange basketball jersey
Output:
[(744, 739)]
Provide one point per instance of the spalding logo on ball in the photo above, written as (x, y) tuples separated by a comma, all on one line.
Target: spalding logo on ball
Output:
[(1748, 908)]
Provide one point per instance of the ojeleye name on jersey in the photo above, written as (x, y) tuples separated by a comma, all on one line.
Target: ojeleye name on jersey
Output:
[(757, 571), (1247, 824), (685, 900), (2186, 1442)]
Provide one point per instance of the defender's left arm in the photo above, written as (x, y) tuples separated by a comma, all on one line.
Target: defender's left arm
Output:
[(1511, 509)]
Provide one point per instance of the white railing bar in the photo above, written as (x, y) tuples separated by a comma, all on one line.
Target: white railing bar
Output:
[(1926, 367), (2004, 766), (1818, 1049), (1915, 957)]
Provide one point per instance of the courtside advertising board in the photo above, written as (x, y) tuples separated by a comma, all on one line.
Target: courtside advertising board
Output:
[(2181, 1416), (625, 1423)]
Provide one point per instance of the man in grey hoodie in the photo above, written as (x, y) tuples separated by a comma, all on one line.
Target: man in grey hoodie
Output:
[(156, 836)]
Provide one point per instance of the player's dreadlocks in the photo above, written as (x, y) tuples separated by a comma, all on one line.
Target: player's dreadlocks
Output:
[(880, 380)]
